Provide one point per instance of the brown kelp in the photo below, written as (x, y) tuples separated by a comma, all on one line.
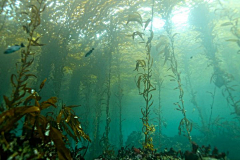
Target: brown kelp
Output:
[(107, 147), (42, 136), (220, 78), (119, 95), (96, 122), (169, 55), (213, 95), (19, 81), (193, 99), (143, 79), (232, 20), (158, 111), (227, 78)]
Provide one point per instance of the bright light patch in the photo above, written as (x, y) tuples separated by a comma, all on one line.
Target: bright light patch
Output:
[(50, 5), (209, 1), (81, 35), (146, 9), (157, 23), (17, 3), (181, 16)]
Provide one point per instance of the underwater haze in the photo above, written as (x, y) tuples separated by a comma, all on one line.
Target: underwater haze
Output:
[(120, 79)]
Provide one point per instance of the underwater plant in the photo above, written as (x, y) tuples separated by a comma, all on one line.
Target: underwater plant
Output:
[(42, 136), (232, 20), (144, 79), (227, 78), (119, 95), (107, 147), (212, 104), (95, 148), (158, 111), (169, 56), (194, 100), (220, 78)]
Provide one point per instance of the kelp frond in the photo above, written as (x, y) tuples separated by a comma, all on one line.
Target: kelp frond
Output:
[(38, 130)]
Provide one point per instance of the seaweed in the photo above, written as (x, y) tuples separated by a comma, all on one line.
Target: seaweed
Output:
[(169, 55), (119, 95), (220, 78), (143, 79), (43, 136), (212, 104), (232, 21)]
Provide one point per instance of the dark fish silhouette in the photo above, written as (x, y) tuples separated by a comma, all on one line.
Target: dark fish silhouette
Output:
[(13, 49), (89, 52)]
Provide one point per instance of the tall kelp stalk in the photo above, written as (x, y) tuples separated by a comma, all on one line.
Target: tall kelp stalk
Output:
[(87, 106), (169, 55), (41, 135), (213, 95), (86, 96), (205, 26), (19, 81), (108, 151), (143, 79), (57, 38), (158, 111), (96, 147), (235, 31), (233, 19), (119, 95), (193, 99), (74, 85)]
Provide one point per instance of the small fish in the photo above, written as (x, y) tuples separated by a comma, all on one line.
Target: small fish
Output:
[(13, 49), (89, 52)]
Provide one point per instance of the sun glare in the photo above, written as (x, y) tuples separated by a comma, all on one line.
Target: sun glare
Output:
[(181, 16), (158, 23)]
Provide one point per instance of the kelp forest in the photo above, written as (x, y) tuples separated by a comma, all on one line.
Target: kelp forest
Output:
[(111, 79)]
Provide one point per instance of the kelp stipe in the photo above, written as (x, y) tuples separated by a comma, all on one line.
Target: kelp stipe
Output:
[(19, 81), (169, 55), (158, 111), (233, 22), (213, 95), (143, 79), (42, 136), (107, 147), (235, 30), (193, 99), (220, 78), (119, 95)]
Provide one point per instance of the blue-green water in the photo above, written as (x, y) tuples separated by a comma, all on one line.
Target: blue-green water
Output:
[(187, 60)]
